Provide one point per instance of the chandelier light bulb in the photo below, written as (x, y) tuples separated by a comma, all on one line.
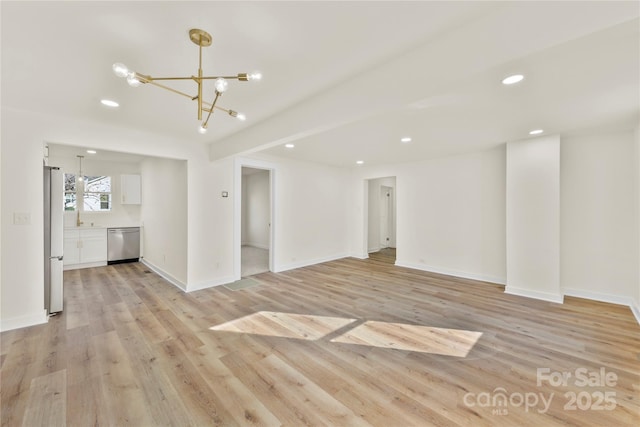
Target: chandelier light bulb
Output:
[(241, 117), (202, 129), (133, 80), (256, 75), (120, 69), (221, 85)]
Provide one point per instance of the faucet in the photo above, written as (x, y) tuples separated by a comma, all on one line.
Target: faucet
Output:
[(78, 222)]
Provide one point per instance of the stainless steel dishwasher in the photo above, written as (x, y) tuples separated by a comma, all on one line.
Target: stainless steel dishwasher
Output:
[(123, 245)]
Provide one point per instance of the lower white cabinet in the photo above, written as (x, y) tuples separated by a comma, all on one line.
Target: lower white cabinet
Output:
[(85, 247)]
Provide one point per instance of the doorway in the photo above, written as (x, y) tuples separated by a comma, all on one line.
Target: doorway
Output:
[(255, 232), (381, 219)]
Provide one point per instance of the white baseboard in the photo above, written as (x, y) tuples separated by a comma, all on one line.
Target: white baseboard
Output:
[(597, 296), (306, 263), (359, 256), (451, 272), (613, 299), (256, 245), (166, 276), (24, 321), (372, 250), (545, 296), (84, 265), (635, 309), (204, 285)]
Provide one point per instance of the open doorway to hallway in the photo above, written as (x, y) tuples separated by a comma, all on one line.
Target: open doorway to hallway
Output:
[(381, 211), (256, 221)]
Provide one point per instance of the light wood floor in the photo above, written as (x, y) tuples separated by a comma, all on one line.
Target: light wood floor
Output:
[(346, 343)]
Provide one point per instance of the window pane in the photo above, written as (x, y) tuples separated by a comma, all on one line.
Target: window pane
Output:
[(70, 182), (69, 201), (97, 202), (97, 184), (105, 202)]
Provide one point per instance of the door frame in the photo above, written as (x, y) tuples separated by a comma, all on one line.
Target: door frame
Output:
[(386, 203), (239, 163), (365, 211)]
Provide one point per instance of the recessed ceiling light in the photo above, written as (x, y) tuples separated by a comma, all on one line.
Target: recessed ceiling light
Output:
[(360, 162), (536, 132), (109, 103), (289, 145), (512, 79), (405, 139), (91, 151)]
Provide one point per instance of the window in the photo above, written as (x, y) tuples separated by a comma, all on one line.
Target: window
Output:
[(70, 192), (97, 193), (96, 196)]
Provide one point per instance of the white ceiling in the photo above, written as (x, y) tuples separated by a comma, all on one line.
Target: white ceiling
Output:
[(342, 80)]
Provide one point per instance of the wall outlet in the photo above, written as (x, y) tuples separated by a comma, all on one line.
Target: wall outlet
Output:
[(21, 218)]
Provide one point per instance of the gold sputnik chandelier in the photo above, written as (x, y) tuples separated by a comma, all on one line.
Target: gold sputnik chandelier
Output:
[(202, 39)]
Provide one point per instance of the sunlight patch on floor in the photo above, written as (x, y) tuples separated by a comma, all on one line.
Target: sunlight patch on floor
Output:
[(285, 325), (424, 339), (398, 336)]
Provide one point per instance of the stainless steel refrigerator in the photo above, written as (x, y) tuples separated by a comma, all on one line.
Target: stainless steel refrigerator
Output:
[(53, 239)]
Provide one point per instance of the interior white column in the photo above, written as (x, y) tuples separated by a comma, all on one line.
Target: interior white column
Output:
[(533, 218)]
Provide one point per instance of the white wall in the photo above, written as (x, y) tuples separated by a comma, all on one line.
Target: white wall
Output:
[(637, 167), (310, 223), (533, 218), (256, 209), (120, 215), (450, 214), (164, 216), (599, 217), (211, 222), (22, 245)]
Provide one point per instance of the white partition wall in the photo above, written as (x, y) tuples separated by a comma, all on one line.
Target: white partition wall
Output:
[(533, 218)]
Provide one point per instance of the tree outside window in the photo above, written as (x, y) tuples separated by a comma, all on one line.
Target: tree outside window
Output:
[(70, 192), (97, 193)]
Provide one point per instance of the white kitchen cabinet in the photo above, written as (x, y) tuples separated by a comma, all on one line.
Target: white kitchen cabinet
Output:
[(93, 245), (85, 247), (71, 247), (130, 189)]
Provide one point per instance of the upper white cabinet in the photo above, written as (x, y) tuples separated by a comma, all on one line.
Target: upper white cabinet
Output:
[(131, 192)]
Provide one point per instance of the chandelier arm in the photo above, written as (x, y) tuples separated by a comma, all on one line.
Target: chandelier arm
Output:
[(151, 79), (213, 105), (221, 77), (170, 89), (206, 110), (188, 96)]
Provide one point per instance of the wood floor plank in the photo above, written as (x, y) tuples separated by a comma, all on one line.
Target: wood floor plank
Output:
[(122, 394), (243, 405), (349, 342), (199, 399), (47, 401)]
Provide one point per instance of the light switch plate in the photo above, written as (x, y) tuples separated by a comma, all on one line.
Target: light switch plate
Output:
[(21, 218)]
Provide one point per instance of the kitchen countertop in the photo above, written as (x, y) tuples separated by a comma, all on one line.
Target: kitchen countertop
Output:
[(99, 227)]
